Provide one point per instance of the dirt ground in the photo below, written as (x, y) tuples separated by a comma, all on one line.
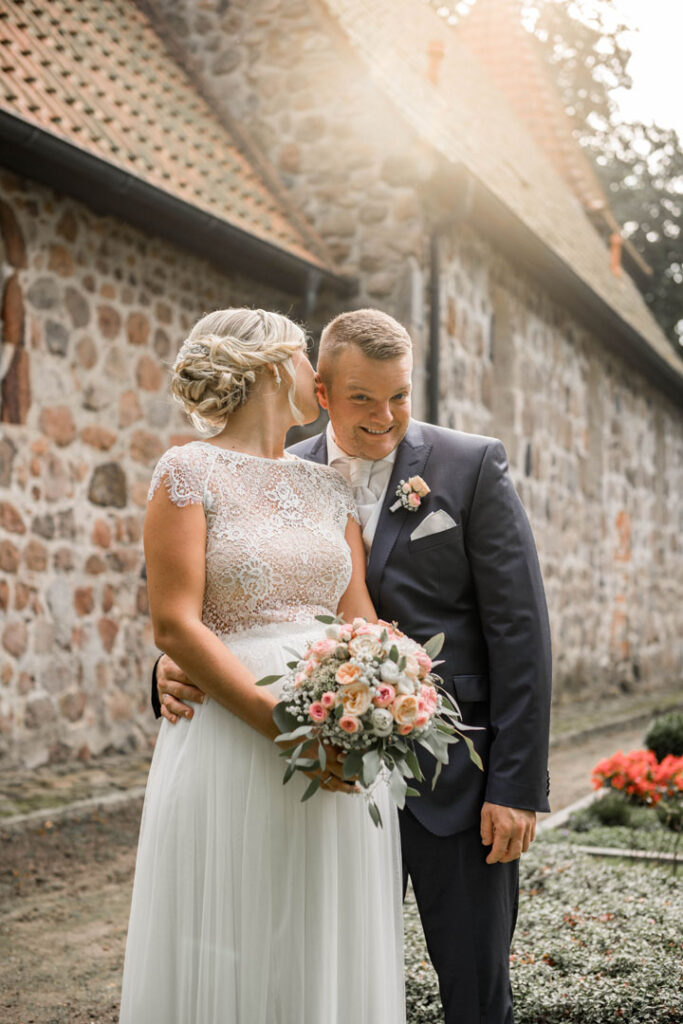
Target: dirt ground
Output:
[(65, 889)]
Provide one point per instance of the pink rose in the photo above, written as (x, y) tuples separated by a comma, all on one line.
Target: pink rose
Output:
[(347, 674), (421, 719), (428, 696), (309, 668), (414, 500), (322, 648), (405, 729), (349, 723), (405, 710), (424, 661), (406, 488), (356, 698), (299, 678), (345, 632), (329, 699), (317, 712), (384, 696)]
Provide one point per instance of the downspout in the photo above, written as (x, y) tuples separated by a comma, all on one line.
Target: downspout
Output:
[(458, 212), (434, 326)]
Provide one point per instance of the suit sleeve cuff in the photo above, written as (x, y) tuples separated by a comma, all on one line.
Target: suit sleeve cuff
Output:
[(522, 798)]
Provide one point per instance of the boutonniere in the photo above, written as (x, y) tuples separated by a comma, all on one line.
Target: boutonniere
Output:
[(410, 494)]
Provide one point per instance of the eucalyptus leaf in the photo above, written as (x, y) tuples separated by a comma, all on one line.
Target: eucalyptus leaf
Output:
[(284, 719), (474, 756), (322, 757), (411, 792), (267, 680), (312, 788), (374, 813), (353, 764), (437, 772), (303, 730), (393, 653), (398, 787), (434, 645), (289, 771), (402, 662), (414, 765), (371, 763), (328, 619)]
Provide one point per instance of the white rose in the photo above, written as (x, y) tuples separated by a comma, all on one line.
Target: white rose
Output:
[(405, 686), (382, 721), (332, 631), (365, 646), (389, 672)]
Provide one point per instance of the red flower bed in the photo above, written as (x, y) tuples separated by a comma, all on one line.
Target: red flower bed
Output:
[(641, 776)]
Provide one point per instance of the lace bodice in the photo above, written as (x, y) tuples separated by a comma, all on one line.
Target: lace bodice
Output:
[(275, 547)]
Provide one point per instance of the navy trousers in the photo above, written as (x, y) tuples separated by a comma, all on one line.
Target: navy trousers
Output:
[(468, 911)]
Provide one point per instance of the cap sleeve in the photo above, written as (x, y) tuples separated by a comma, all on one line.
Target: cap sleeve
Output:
[(342, 496), (184, 471)]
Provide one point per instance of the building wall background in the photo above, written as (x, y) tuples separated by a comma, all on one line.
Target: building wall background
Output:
[(96, 311), (93, 312)]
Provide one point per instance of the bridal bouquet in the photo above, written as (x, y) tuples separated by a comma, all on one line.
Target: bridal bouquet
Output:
[(369, 690)]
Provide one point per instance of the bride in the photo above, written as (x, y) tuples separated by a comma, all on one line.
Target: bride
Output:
[(248, 906)]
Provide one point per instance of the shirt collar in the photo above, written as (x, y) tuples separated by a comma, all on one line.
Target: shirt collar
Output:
[(334, 452)]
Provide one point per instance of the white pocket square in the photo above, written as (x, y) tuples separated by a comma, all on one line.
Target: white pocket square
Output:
[(435, 522)]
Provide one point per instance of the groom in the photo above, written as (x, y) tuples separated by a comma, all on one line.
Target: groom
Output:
[(464, 563)]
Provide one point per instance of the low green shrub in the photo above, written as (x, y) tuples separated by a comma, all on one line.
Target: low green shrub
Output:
[(596, 942), (665, 735)]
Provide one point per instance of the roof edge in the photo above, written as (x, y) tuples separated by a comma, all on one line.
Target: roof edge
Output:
[(109, 190), (518, 240)]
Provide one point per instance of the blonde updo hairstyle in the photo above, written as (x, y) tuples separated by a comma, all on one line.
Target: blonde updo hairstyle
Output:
[(217, 365)]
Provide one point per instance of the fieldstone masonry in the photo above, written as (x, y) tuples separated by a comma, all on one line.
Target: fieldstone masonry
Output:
[(93, 312), (92, 315)]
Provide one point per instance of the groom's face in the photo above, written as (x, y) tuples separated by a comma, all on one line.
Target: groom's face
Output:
[(368, 401)]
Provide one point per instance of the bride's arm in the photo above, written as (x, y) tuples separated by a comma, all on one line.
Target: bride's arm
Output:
[(175, 553), (356, 600)]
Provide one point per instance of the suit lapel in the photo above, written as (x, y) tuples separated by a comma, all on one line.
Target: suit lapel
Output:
[(411, 456), (314, 450)]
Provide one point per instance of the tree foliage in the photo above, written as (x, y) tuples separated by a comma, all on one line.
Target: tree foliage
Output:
[(640, 165)]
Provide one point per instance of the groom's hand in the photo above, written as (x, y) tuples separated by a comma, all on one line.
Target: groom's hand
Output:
[(508, 831), (175, 690)]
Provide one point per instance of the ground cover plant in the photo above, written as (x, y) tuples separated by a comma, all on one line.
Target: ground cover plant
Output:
[(597, 941)]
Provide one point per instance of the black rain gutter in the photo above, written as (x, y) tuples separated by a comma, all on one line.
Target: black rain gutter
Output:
[(110, 191)]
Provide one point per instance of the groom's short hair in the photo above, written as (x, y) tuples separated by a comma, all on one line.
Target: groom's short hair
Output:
[(376, 334)]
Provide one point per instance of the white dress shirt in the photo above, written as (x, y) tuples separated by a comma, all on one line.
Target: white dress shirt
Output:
[(369, 480)]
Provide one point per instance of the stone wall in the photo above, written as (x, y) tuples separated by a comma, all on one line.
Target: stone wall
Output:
[(596, 453), (595, 450), (92, 314)]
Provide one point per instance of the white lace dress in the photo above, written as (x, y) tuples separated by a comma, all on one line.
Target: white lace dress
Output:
[(250, 907)]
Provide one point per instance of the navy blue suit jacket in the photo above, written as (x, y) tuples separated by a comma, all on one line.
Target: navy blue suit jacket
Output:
[(480, 583)]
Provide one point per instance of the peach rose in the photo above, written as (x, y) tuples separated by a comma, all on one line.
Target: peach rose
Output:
[(418, 484), (405, 729), (421, 719), (384, 696), (349, 723), (405, 710), (411, 667), (309, 668), (347, 674), (317, 712), (329, 699), (356, 698), (321, 649)]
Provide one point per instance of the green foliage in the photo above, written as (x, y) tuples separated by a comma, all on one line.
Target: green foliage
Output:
[(640, 166), (596, 942), (665, 735), (611, 810)]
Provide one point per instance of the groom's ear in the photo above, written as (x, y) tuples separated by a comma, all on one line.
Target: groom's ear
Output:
[(321, 392)]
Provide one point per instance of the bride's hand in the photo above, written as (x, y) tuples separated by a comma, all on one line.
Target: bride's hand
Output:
[(175, 690), (333, 775)]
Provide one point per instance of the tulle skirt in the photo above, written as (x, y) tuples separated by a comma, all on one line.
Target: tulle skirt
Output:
[(248, 906)]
